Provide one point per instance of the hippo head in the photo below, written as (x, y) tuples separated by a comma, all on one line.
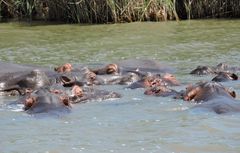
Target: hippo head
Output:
[(37, 78), (109, 69), (27, 80), (202, 70), (204, 91), (152, 81), (222, 67), (160, 91), (170, 79), (225, 76), (43, 101), (64, 68)]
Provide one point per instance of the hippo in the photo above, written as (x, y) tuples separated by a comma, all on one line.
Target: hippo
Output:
[(203, 70), (161, 91), (225, 76), (67, 67), (205, 91), (23, 81), (125, 79), (155, 80), (221, 67), (6, 68), (44, 101), (80, 77), (212, 96), (130, 65), (86, 94)]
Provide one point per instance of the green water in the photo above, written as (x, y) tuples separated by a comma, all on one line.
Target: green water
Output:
[(135, 123), (167, 41)]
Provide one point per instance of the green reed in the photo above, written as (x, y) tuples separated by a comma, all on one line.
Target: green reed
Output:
[(113, 11)]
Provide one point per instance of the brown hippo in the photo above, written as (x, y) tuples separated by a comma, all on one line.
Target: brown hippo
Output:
[(212, 96)]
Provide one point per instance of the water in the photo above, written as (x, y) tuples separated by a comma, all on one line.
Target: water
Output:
[(134, 123)]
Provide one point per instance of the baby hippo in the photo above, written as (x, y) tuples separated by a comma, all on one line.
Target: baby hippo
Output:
[(212, 96)]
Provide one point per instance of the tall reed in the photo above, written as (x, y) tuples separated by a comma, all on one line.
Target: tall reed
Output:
[(105, 11)]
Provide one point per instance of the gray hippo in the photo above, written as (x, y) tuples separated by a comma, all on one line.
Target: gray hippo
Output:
[(155, 80), (221, 67), (125, 79), (6, 67), (81, 77), (23, 81), (86, 94), (44, 100), (225, 76), (212, 96), (162, 91), (130, 65)]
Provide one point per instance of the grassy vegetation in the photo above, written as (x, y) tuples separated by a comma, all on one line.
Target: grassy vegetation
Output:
[(105, 11)]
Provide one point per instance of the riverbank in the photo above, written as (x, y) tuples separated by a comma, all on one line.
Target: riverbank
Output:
[(116, 11)]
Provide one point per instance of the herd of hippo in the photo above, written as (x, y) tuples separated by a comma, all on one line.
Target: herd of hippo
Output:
[(42, 90)]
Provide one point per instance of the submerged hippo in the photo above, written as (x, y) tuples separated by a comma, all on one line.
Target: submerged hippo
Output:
[(155, 80), (212, 96), (161, 91), (225, 76), (130, 65), (44, 101), (125, 79), (23, 81), (6, 68), (86, 94), (222, 67), (80, 77)]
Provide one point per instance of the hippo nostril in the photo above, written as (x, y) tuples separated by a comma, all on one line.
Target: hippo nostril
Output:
[(65, 100), (234, 76)]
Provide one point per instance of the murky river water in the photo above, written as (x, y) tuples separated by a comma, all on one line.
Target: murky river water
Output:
[(134, 123)]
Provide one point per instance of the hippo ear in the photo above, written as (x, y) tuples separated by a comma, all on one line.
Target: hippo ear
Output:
[(191, 94), (29, 102)]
